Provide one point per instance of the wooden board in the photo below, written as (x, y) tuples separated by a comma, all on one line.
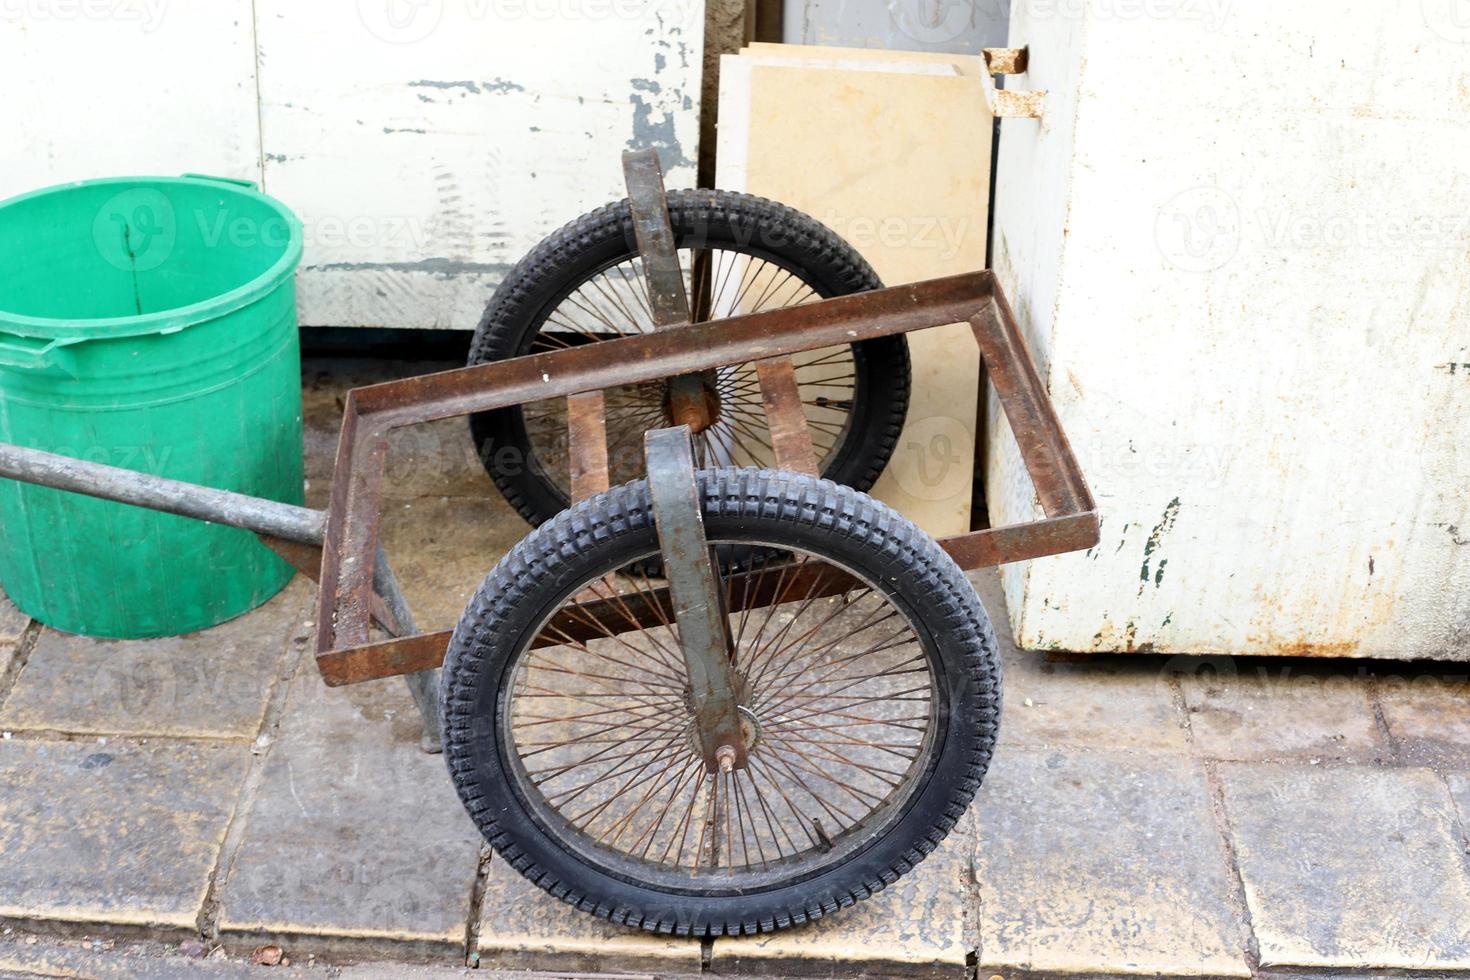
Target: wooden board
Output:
[(892, 151)]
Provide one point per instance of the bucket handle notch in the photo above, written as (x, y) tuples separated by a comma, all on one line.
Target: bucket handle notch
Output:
[(31, 354), (232, 181)]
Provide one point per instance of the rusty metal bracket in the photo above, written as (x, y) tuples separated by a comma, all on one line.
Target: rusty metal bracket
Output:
[(791, 438), (697, 598), (1006, 102), (1006, 61), (690, 401), (648, 203)]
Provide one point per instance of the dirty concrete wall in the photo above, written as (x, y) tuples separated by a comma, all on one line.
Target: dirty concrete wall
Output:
[(951, 26), (427, 146), (1250, 296)]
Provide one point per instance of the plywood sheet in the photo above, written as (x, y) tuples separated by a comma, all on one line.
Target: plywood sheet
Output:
[(897, 162)]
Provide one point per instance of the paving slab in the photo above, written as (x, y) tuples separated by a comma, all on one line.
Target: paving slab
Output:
[(9, 651), (1428, 714), (113, 833), (1104, 863), (437, 458), (147, 962), (211, 684), (524, 928), (922, 925), (1350, 866), (13, 622), (1250, 710), (354, 832), (18, 959), (1102, 702), (443, 547), (1459, 783)]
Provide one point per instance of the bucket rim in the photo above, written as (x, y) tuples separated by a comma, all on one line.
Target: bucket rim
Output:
[(68, 330)]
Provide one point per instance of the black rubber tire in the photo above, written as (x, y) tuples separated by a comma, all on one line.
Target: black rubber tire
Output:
[(700, 219), (819, 516)]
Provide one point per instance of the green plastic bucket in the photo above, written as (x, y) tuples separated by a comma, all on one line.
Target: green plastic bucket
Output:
[(147, 323)]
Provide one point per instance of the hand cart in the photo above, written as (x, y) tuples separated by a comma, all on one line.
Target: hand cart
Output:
[(720, 699)]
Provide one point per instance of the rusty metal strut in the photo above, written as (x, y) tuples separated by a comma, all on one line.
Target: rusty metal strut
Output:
[(698, 600)]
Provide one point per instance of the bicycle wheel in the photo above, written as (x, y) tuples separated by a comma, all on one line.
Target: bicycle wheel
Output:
[(869, 689), (741, 254)]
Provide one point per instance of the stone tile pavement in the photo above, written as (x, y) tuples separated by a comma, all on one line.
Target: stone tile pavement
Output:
[(169, 806)]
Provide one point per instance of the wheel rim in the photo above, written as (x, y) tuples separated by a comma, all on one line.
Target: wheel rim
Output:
[(842, 712), (612, 302)]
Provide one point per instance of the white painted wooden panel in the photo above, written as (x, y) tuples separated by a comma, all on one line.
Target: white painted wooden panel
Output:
[(953, 26), (1238, 243), (429, 146), (125, 87)]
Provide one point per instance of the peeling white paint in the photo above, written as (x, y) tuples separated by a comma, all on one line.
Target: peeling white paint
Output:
[(1238, 248), (503, 128), (426, 146)]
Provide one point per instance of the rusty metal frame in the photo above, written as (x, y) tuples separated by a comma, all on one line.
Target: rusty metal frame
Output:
[(370, 414)]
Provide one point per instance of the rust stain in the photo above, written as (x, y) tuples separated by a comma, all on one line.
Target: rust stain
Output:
[(1306, 648), (1076, 385)]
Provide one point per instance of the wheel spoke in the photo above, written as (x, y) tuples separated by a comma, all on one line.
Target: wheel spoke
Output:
[(613, 302), (836, 693)]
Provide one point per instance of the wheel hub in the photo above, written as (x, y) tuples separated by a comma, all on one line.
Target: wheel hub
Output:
[(751, 729), (693, 400)]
